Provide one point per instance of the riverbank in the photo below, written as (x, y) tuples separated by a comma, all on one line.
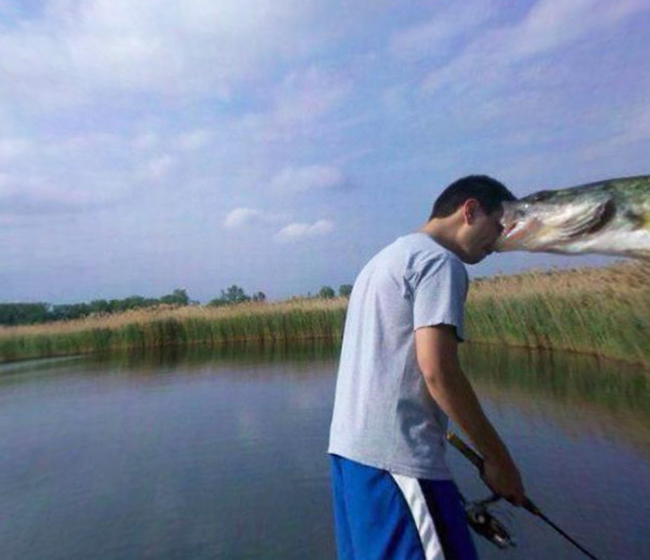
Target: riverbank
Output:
[(167, 326), (599, 311)]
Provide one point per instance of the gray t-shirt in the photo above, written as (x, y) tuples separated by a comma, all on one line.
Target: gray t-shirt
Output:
[(383, 414)]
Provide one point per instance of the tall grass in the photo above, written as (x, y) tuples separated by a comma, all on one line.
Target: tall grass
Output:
[(168, 326), (600, 311)]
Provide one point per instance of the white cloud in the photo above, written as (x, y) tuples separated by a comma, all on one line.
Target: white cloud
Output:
[(13, 148), (195, 140), (50, 173), (308, 96), (296, 231), (73, 146), (145, 141), (433, 38), (554, 23), (628, 127), (159, 169), (38, 195), (638, 127), (244, 217), (309, 178), (550, 25), (195, 47), (7, 186), (299, 105)]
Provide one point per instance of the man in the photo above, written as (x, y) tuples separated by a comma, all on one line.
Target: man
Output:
[(399, 379)]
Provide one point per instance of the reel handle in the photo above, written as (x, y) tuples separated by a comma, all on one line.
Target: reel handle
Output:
[(478, 462)]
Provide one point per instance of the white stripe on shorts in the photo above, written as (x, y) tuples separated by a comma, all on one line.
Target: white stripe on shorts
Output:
[(414, 497)]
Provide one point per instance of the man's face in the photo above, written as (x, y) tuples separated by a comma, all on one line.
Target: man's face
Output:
[(480, 233)]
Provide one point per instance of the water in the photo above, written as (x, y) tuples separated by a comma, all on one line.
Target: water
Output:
[(221, 454)]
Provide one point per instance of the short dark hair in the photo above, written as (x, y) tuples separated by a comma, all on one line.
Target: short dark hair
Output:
[(489, 193)]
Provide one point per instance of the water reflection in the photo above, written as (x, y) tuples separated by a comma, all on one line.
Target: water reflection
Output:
[(581, 394), (580, 432), (188, 455), (249, 354), (220, 453), (561, 376)]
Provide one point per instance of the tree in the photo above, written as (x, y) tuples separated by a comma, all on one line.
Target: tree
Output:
[(326, 292), (177, 297), (234, 294), (24, 313), (69, 311), (100, 306), (259, 296), (136, 302), (231, 296), (345, 290)]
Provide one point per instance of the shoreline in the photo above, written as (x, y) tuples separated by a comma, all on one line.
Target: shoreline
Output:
[(600, 312)]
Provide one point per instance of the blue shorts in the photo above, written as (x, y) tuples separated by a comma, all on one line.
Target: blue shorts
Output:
[(379, 515)]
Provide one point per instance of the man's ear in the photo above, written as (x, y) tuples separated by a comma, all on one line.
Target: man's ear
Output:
[(470, 208)]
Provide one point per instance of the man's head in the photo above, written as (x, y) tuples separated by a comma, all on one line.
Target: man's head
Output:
[(488, 192), (470, 208)]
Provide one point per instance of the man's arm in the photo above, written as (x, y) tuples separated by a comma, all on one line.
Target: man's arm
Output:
[(437, 355)]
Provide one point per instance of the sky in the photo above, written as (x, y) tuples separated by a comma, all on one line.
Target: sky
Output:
[(277, 145)]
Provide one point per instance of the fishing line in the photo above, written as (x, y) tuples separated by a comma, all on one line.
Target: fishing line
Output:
[(477, 461)]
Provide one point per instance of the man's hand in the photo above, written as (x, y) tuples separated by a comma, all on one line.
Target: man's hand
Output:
[(503, 478)]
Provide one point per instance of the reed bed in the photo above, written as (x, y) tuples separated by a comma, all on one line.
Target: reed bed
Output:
[(599, 311), (168, 326)]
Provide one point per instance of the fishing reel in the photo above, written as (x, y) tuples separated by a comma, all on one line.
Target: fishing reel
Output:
[(485, 524)]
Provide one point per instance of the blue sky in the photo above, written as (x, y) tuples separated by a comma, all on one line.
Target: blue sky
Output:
[(150, 145)]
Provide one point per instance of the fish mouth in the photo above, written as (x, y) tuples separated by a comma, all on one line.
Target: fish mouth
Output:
[(507, 230), (515, 233)]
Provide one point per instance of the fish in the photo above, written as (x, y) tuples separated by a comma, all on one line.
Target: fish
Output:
[(610, 217)]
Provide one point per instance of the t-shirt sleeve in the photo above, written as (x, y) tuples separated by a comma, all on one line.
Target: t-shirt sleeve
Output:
[(439, 292)]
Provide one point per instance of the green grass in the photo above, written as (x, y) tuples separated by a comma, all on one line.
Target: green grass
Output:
[(172, 327), (604, 312), (600, 311)]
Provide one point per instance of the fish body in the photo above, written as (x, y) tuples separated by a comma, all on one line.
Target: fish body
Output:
[(610, 217)]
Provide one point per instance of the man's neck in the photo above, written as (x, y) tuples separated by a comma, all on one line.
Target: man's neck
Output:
[(443, 231)]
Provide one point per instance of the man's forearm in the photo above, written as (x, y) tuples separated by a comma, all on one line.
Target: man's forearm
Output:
[(437, 354), (454, 394)]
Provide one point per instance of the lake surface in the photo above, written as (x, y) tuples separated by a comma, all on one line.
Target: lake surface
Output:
[(221, 454)]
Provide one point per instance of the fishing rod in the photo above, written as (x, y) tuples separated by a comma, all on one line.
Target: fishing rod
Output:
[(528, 504)]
